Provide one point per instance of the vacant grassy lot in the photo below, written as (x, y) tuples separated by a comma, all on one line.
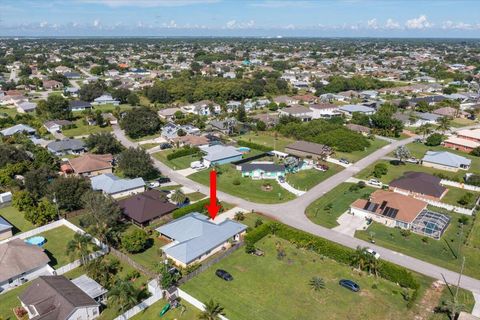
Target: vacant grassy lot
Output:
[(326, 209), (268, 139), (176, 164), (247, 189), (455, 194), (464, 297), (445, 252), (153, 312), (56, 245), (16, 219), (110, 107), (307, 179), (84, 129), (462, 122), (357, 155), (269, 288)]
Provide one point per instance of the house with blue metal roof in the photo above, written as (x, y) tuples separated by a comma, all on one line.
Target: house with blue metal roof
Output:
[(445, 160), (194, 237), (220, 154), (349, 109), (116, 187), (5, 229), (19, 128)]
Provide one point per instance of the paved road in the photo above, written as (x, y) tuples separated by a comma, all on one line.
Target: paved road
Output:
[(293, 212)]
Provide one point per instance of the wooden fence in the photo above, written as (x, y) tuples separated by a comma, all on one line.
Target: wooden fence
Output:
[(122, 256)]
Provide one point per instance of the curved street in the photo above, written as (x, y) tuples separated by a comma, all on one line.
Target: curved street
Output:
[(292, 212)]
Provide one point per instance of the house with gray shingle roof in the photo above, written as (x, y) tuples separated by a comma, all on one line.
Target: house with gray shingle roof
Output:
[(445, 160), (263, 170), (219, 154), (194, 237), (19, 128), (66, 146), (116, 187)]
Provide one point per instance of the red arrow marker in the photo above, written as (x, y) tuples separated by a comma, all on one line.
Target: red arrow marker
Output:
[(213, 207)]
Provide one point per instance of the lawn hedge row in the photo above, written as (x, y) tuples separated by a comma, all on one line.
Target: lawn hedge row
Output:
[(182, 153), (253, 145), (339, 253), (195, 207)]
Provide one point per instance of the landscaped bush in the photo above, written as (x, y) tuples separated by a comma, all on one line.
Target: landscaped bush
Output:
[(134, 240), (253, 145), (195, 207), (182, 153), (434, 139)]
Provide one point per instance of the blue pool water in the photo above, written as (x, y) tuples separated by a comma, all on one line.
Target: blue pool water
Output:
[(37, 240), (243, 149)]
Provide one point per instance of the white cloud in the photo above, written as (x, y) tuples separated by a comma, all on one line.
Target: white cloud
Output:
[(419, 23), (96, 23), (450, 25), (148, 3), (392, 24), (372, 24), (234, 24), (170, 24), (290, 27), (282, 4), (43, 24)]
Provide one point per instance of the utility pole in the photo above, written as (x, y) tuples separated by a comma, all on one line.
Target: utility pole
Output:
[(56, 205)]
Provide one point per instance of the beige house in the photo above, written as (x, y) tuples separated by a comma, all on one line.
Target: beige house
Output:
[(5, 229), (90, 165)]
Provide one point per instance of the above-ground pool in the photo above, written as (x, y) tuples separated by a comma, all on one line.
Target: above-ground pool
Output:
[(243, 149), (37, 240)]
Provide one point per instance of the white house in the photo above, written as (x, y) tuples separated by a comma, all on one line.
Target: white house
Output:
[(116, 187)]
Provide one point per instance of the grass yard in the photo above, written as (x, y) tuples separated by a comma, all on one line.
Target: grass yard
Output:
[(268, 139), (153, 312), (307, 179), (56, 245), (150, 257), (176, 164), (195, 196), (84, 129), (474, 237), (455, 194), (443, 252), (12, 112), (464, 297), (462, 122), (110, 107), (269, 288), (248, 189), (16, 219), (326, 209), (357, 155), (147, 146)]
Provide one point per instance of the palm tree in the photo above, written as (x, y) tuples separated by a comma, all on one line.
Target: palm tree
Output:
[(425, 129), (359, 258), (213, 311), (123, 294), (443, 124), (179, 197), (317, 283), (80, 247)]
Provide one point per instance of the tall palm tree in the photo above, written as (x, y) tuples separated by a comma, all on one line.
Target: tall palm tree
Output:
[(213, 311), (443, 124), (317, 283), (179, 197), (359, 258), (425, 129), (123, 294), (80, 247)]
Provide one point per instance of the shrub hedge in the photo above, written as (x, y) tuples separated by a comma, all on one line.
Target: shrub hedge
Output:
[(253, 145), (195, 207), (182, 152)]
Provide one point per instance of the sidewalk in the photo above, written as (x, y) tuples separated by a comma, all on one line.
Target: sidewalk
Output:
[(291, 189), (230, 214)]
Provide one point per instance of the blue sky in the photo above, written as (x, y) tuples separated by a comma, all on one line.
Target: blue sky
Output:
[(316, 18)]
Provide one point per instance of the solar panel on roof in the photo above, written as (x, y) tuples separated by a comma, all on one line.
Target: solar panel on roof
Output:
[(367, 205), (382, 206), (390, 212)]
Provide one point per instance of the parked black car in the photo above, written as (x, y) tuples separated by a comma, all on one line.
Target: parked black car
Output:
[(349, 284), (224, 275), (164, 180), (165, 145)]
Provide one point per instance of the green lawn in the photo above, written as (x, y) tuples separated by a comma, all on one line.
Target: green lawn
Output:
[(178, 163), (269, 288), (12, 112), (56, 245), (462, 122), (307, 179), (195, 196), (268, 139), (150, 257), (84, 129), (454, 194), (326, 209), (474, 238), (147, 146), (464, 297), (15, 218), (248, 189), (153, 312), (110, 107), (357, 155), (443, 252)]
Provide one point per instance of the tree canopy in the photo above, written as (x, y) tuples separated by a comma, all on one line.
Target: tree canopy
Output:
[(140, 122)]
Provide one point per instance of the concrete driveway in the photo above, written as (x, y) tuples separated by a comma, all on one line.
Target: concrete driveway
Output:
[(348, 224)]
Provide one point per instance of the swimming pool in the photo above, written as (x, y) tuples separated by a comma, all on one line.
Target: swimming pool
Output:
[(243, 149), (37, 241)]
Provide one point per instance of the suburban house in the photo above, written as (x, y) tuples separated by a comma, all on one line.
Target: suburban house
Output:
[(465, 140), (144, 207), (419, 185), (19, 128), (195, 238), (358, 128), (168, 113), (26, 107), (450, 112), (220, 154), (20, 260), (445, 160), (297, 111), (263, 170), (72, 75), (202, 108), (55, 126), (171, 130), (396, 210), (52, 84), (105, 99), (57, 298), (349, 109), (324, 110), (5, 229), (286, 100), (191, 141), (78, 105), (89, 165), (92, 288), (116, 187), (305, 149), (66, 146)]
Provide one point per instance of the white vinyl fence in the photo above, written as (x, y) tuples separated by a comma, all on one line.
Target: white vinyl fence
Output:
[(156, 296), (459, 185), (194, 301)]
